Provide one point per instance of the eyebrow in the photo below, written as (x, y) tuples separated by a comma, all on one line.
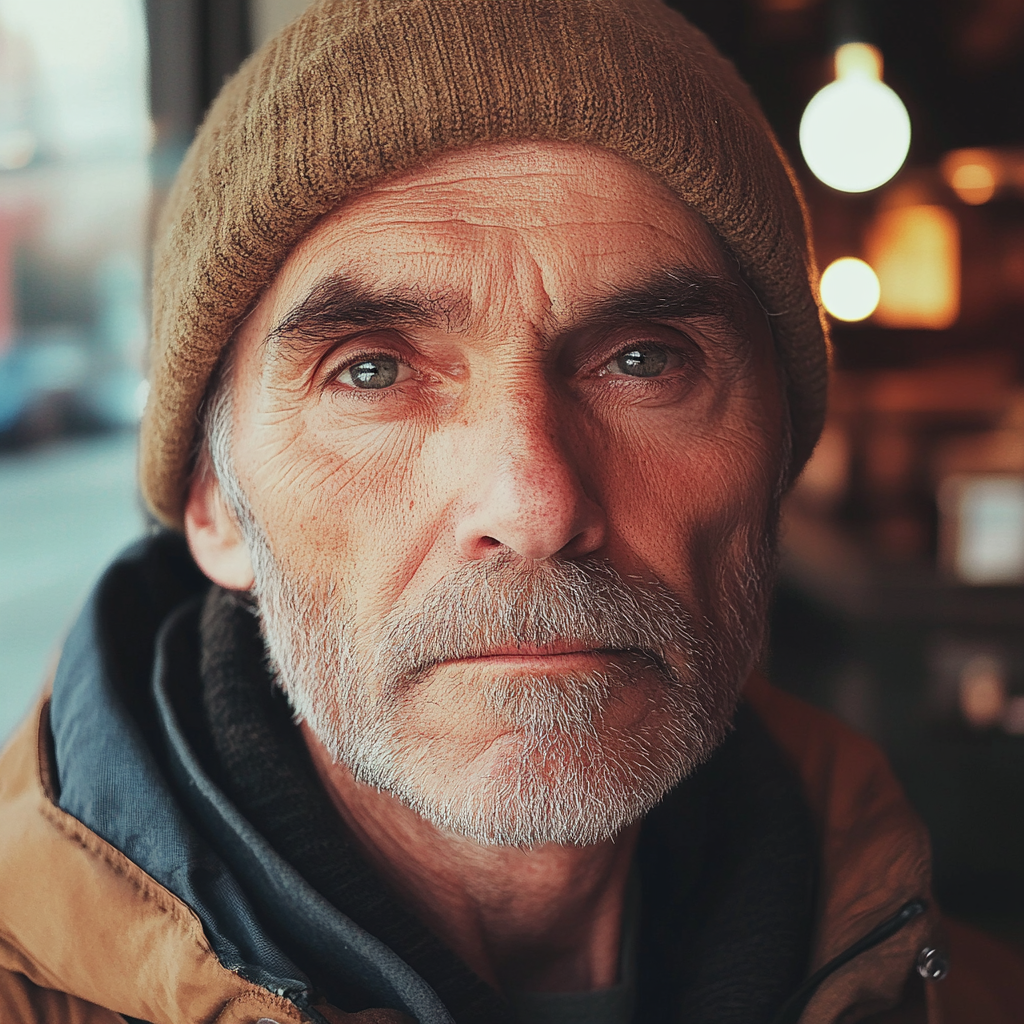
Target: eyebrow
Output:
[(680, 293), (340, 303)]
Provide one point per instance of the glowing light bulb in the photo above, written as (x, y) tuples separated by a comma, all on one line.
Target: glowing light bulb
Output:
[(850, 289), (855, 133)]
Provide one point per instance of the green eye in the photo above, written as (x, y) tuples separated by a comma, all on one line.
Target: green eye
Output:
[(640, 362), (378, 372)]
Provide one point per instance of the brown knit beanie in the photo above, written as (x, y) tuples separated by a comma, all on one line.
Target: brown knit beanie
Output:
[(358, 89)]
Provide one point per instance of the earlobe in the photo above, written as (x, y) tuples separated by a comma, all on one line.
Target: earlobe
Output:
[(214, 536)]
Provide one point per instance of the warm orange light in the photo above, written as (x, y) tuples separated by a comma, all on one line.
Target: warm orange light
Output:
[(973, 174), (915, 251), (973, 183)]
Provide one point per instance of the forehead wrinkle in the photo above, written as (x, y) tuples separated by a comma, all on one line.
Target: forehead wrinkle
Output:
[(538, 304), (506, 291)]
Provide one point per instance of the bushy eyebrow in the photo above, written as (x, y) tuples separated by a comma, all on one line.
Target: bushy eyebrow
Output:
[(338, 303), (681, 293)]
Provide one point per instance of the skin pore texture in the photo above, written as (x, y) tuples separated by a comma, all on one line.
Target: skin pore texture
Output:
[(506, 442)]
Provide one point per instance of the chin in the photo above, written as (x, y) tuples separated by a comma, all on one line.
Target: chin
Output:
[(527, 789)]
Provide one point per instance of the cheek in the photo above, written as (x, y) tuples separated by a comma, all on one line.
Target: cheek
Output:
[(685, 502), (349, 503)]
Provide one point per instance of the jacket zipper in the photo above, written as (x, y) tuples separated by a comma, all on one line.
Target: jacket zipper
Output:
[(797, 1002)]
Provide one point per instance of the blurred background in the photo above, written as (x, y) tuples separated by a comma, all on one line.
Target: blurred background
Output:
[(901, 606)]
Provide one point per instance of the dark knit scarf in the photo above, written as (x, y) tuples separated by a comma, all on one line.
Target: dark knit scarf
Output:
[(726, 861)]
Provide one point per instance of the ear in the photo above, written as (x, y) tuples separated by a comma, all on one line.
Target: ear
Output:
[(214, 536)]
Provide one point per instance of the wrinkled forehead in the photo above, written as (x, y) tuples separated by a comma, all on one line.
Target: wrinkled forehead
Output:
[(573, 220)]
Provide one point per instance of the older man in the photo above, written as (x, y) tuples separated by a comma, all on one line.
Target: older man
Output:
[(485, 345)]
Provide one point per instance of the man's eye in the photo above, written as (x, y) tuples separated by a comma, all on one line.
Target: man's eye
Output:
[(647, 361), (374, 373)]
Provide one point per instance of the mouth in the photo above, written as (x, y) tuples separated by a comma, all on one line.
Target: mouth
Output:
[(557, 656)]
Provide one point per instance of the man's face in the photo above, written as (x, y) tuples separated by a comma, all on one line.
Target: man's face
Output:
[(510, 432)]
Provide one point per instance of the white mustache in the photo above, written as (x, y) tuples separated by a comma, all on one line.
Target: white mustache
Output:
[(506, 602)]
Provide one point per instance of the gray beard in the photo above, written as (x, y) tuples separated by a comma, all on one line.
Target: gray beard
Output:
[(564, 775)]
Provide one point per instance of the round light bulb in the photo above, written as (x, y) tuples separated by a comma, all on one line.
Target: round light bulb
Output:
[(855, 133), (850, 289)]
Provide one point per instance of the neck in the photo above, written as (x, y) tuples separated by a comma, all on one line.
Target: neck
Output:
[(543, 919)]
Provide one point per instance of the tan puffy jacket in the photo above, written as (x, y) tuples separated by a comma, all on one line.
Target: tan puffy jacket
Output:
[(87, 936)]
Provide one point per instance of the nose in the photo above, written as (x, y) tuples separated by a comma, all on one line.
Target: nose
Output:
[(523, 488)]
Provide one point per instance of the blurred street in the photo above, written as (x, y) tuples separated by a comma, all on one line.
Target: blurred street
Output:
[(65, 511)]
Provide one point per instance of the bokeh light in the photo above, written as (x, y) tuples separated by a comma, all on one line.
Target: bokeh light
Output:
[(850, 289), (855, 132), (982, 692), (973, 174), (974, 183), (915, 250)]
